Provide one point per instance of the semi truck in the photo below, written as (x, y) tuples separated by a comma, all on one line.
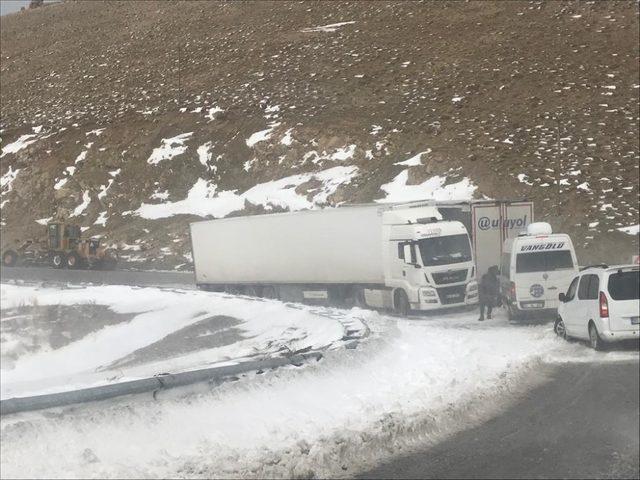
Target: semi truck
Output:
[(416, 256)]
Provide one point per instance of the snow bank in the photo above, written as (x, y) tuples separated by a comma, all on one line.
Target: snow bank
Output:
[(268, 327), (409, 384), (169, 148), (7, 179), (86, 200), (630, 230), (204, 200), (22, 142), (433, 189), (332, 27)]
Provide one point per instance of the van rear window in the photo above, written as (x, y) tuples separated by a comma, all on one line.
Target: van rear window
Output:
[(543, 261), (624, 285)]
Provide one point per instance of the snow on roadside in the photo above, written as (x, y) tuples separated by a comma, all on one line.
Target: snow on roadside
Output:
[(267, 326), (408, 384), (432, 189), (203, 199)]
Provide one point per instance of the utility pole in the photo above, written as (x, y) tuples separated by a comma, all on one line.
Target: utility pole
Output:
[(179, 74), (558, 160)]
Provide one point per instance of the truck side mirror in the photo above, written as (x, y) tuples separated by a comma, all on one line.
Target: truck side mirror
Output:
[(562, 297)]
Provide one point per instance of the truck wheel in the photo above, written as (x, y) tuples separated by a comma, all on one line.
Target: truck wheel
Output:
[(73, 260), (58, 260), (401, 303), (9, 258)]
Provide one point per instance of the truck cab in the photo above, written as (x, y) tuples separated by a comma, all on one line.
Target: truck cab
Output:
[(430, 262)]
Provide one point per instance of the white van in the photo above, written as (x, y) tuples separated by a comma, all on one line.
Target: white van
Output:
[(535, 267)]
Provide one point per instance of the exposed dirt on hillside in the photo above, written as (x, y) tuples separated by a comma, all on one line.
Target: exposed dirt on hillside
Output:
[(515, 96)]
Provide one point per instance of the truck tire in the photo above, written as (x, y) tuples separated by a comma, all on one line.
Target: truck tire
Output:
[(355, 298), (73, 260), (401, 303), (9, 258), (58, 260)]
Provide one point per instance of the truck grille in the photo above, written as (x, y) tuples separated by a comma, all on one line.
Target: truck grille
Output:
[(450, 295), (449, 277)]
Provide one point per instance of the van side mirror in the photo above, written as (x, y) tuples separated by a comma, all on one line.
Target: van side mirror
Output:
[(562, 297)]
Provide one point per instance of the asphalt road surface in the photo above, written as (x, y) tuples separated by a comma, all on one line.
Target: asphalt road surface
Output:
[(99, 277), (583, 423)]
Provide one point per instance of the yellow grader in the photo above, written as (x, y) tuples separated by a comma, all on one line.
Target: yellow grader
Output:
[(63, 247)]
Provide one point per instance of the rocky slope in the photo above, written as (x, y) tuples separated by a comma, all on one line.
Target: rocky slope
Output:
[(136, 118)]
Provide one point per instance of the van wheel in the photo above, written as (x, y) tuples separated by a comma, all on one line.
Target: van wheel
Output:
[(559, 328), (512, 313), (594, 338), (401, 303)]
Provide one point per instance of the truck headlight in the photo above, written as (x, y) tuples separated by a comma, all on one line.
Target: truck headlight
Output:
[(428, 292), (472, 287)]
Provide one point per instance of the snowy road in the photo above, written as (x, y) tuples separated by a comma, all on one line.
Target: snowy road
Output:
[(412, 384), (582, 423)]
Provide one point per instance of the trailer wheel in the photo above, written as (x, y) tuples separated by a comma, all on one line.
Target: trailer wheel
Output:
[(252, 291), (73, 260), (9, 258), (401, 303), (269, 292), (58, 260)]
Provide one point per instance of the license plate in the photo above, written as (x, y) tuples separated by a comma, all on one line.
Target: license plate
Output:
[(532, 304), (453, 295), (635, 320)]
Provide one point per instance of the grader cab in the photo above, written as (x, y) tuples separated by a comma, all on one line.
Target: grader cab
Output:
[(63, 247)]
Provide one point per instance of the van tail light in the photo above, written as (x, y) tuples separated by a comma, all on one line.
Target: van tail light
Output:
[(604, 306), (512, 290)]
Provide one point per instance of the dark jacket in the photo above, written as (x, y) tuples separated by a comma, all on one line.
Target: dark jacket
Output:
[(489, 288)]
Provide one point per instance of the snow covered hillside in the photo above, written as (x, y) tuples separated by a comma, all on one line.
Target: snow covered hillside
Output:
[(136, 125), (55, 340), (413, 382)]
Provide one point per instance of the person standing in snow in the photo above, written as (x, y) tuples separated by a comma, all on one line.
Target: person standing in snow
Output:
[(489, 292)]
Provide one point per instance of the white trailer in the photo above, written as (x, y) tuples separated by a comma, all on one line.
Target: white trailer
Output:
[(490, 223), (413, 256), (403, 257)]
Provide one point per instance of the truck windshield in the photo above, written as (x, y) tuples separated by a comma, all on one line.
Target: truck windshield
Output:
[(543, 261), (624, 285), (444, 250)]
